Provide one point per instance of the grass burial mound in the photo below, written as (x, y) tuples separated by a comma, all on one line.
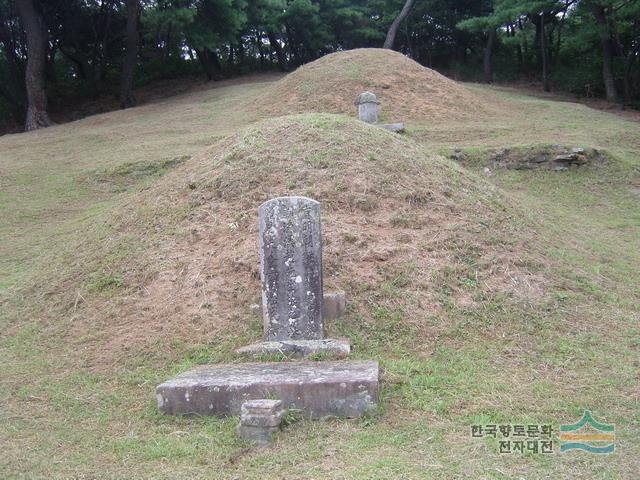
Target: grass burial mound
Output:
[(450, 285), (409, 235), (406, 89)]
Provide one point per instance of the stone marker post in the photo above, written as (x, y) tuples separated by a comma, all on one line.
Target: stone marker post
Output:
[(291, 269), (259, 420), (367, 104)]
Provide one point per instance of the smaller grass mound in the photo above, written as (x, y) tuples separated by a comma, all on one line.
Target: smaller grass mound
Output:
[(406, 89)]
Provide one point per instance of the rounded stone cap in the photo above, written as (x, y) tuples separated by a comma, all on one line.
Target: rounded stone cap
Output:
[(367, 97)]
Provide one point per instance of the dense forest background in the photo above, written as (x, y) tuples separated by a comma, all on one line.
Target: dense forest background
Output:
[(60, 52)]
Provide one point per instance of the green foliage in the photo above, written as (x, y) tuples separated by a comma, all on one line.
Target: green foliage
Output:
[(216, 22), (228, 37)]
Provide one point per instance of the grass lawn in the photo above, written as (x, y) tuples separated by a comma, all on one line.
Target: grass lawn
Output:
[(77, 387)]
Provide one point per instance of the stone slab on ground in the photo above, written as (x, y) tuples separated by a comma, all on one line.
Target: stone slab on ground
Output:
[(317, 389), (339, 348), (393, 127)]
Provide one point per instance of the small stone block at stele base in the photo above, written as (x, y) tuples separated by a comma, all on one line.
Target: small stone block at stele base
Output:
[(259, 420)]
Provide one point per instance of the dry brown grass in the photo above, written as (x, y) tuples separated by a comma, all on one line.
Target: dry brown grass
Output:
[(406, 89), (393, 215)]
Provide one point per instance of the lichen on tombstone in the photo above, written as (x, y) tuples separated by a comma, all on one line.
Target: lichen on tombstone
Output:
[(291, 269)]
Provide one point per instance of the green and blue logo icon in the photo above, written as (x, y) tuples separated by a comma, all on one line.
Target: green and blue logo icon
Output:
[(589, 435)]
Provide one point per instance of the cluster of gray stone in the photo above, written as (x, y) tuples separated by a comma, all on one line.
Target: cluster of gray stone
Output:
[(293, 318), (552, 157)]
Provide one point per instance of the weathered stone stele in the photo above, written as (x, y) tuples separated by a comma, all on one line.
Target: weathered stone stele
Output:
[(291, 268), (367, 104), (334, 305), (317, 389)]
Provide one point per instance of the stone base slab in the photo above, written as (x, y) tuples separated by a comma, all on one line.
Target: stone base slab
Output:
[(298, 348), (316, 389), (392, 127)]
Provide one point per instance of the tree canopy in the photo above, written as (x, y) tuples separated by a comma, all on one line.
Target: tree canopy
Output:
[(56, 50)]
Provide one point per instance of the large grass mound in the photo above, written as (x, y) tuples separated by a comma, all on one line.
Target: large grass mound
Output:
[(126, 260), (405, 89), (408, 234)]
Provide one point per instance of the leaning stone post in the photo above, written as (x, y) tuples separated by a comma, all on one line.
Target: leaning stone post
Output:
[(291, 268), (367, 104)]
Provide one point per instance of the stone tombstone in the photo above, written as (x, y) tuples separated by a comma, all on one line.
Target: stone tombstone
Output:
[(367, 104), (291, 269)]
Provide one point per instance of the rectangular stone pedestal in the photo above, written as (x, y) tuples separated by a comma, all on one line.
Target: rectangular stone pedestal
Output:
[(317, 389), (329, 347)]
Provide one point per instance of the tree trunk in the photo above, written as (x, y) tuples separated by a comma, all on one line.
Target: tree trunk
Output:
[(393, 29), (257, 42), (408, 40), (524, 48), (543, 54), (275, 44), (294, 54), (37, 41), (240, 53), (230, 58), (559, 39), (131, 55), (607, 53), (167, 43), (620, 52), (488, 51), (101, 73), (628, 68), (13, 88), (210, 64)]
